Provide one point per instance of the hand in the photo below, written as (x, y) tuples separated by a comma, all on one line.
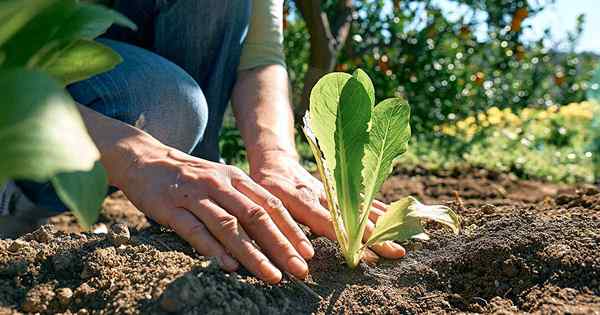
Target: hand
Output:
[(219, 210), (304, 196)]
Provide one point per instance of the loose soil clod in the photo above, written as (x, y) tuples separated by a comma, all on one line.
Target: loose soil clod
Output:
[(533, 247)]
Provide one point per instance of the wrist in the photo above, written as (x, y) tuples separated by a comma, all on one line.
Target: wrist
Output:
[(260, 157)]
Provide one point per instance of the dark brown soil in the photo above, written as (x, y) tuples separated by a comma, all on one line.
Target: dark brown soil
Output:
[(525, 247)]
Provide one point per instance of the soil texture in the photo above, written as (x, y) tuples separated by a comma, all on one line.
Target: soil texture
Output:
[(525, 247)]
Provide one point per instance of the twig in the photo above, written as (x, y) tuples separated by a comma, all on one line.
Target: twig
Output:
[(303, 285), (459, 201)]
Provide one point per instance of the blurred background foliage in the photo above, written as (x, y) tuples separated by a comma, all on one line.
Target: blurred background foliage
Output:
[(460, 64)]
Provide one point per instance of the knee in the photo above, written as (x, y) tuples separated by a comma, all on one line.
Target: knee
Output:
[(180, 115), (151, 93)]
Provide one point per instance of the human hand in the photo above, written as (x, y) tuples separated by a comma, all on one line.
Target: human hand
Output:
[(218, 210), (304, 196)]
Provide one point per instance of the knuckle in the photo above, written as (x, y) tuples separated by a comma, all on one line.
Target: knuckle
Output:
[(275, 203), (256, 215), (228, 223)]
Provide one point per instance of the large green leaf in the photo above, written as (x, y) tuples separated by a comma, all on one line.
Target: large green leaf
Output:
[(41, 131), (56, 27), (90, 21), (351, 136), (37, 33), (83, 192), (403, 221), (323, 109), (388, 139), (363, 78), (80, 60), (14, 14), (327, 179)]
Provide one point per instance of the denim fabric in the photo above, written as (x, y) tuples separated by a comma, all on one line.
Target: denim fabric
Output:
[(176, 78)]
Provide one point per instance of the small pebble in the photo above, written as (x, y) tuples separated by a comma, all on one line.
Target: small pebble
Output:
[(119, 234), (488, 208), (64, 296), (44, 234), (17, 245), (100, 228)]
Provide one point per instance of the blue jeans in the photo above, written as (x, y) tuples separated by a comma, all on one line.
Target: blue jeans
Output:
[(176, 78)]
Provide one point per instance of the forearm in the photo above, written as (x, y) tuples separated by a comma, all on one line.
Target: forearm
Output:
[(119, 143), (261, 105)]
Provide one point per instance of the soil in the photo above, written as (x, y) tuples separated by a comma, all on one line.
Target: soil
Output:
[(526, 246)]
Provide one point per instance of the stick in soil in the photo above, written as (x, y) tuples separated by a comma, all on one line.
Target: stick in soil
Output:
[(303, 286)]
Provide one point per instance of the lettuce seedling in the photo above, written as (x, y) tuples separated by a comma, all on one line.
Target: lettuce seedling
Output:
[(355, 144)]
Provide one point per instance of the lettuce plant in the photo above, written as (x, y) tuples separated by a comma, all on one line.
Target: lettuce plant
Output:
[(355, 144)]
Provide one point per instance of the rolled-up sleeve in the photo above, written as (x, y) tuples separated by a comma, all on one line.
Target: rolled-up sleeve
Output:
[(264, 43)]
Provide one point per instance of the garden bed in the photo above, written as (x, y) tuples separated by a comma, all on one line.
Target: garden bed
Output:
[(526, 246)]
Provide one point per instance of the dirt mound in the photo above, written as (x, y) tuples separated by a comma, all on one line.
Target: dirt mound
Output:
[(525, 247)]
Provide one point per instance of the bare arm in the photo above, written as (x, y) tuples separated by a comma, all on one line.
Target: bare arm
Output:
[(261, 105)]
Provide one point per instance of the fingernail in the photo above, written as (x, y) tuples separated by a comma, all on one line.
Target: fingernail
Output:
[(269, 272), (297, 267), (306, 250), (397, 248)]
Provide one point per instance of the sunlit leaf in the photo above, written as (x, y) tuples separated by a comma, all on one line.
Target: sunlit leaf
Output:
[(83, 192), (403, 220), (41, 131), (80, 60), (388, 139)]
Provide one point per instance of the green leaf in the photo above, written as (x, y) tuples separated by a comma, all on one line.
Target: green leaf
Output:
[(351, 136), (60, 23), (80, 60), (388, 139), (323, 109), (41, 131), (402, 221), (326, 178), (14, 14), (38, 32), (90, 21), (83, 192), (363, 78)]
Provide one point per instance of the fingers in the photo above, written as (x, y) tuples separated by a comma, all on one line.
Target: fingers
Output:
[(186, 225), (278, 214), (388, 249), (304, 205), (375, 213), (262, 229), (225, 228)]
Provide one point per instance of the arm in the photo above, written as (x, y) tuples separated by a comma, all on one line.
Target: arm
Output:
[(263, 113)]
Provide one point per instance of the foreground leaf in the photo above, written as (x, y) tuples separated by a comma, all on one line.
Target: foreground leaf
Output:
[(83, 192), (324, 102), (363, 78), (41, 131), (403, 220), (351, 136), (15, 14), (388, 139), (60, 23), (80, 60), (326, 178)]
